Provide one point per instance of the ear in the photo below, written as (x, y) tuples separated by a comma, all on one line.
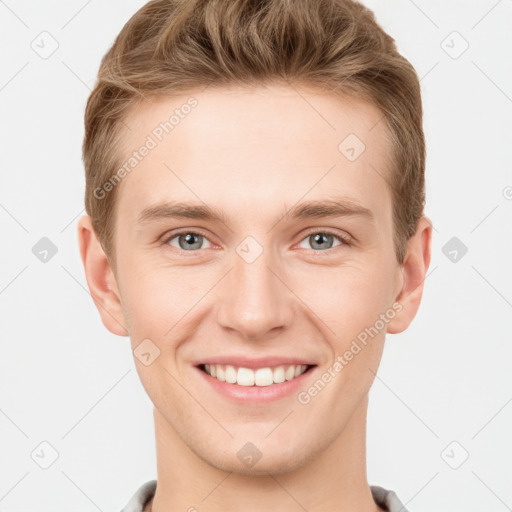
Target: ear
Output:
[(100, 278), (414, 271)]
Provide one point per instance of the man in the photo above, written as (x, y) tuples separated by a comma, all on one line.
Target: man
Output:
[(255, 195)]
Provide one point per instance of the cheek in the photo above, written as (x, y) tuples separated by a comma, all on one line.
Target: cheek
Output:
[(346, 299), (153, 301)]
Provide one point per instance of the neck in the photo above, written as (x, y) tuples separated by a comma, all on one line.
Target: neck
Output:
[(334, 480)]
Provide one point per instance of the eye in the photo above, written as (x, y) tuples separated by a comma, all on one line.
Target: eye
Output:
[(323, 240), (192, 240), (187, 240)]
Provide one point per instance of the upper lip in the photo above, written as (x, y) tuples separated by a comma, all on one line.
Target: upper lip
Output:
[(254, 362)]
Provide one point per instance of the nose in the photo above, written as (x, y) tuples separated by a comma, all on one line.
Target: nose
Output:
[(255, 300)]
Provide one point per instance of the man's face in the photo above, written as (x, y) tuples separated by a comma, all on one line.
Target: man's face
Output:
[(262, 288)]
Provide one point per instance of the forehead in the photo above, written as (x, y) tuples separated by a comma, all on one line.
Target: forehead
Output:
[(255, 149)]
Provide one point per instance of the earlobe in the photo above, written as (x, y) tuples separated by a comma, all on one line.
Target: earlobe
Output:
[(100, 278), (414, 271)]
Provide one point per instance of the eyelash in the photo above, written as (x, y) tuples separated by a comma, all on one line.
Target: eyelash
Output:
[(345, 240)]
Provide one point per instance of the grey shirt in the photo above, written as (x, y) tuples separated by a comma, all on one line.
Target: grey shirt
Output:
[(387, 500)]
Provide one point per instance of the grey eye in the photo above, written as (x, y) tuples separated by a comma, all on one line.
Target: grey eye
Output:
[(321, 241), (188, 241)]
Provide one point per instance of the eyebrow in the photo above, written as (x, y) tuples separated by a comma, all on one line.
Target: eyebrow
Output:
[(341, 207)]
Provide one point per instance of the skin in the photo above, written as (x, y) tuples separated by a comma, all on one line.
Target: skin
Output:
[(255, 153)]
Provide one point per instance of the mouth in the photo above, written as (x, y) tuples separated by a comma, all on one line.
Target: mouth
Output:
[(255, 377), (254, 381)]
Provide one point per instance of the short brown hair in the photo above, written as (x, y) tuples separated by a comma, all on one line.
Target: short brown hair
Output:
[(171, 46)]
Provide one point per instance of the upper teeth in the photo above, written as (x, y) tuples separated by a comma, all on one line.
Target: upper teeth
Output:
[(260, 377)]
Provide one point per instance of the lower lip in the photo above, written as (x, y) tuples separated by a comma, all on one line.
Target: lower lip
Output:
[(256, 394)]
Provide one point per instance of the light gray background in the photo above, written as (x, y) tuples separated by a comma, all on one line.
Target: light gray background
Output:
[(67, 381)]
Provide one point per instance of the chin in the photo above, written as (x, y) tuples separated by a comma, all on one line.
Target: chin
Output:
[(272, 466), (271, 460)]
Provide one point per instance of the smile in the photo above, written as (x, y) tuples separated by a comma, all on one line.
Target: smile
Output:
[(254, 377)]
